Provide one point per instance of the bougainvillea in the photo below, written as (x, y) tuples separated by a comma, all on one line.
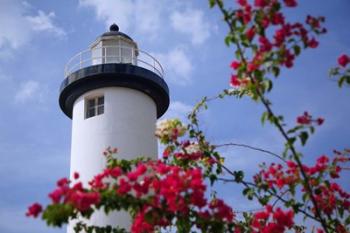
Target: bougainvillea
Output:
[(171, 193)]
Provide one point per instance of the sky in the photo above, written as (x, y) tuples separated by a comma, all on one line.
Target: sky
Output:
[(38, 37)]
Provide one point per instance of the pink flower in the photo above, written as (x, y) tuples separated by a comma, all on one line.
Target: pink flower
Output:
[(291, 3), (235, 65), (62, 182), (250, 33), (83, 201), (235, 82), (76, 175), (34, 210), (115, 172), (320, 121), (260, 3), (277, 18), (242, 2), (304, 119), (56, 195), (343, 60), (265, 45), (312, 43)]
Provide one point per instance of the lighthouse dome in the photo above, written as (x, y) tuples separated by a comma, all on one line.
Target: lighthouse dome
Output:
[(114, 31)]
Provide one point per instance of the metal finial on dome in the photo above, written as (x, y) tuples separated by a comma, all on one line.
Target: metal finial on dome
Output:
[(114, 28)]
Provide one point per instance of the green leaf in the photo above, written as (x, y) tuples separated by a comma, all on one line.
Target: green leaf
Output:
[(265, 200), (249, 192), (212, 3), (264, 117), (293, 130), (334, 71), (347, 220), (344, 78), (276, 71), (291, 140), (341, 81), (212, 179), (297, 50), (269, 85), (239, 175), (303, 137)]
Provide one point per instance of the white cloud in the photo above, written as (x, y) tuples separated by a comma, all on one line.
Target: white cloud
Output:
[(177, 66), (111, 11), (178, 109), (136, 16), (153, 17), (28, 91), (18, 27), (191, 23), (43, 22)]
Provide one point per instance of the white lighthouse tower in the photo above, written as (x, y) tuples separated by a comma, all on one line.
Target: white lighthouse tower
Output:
[(114, 93)]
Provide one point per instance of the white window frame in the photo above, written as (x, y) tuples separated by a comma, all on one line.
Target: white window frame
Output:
[(96, 106)]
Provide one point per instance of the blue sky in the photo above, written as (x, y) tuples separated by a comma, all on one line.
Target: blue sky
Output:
[(38, 37)]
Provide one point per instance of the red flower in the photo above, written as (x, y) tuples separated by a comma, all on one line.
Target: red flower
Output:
[(62, 182), (320, 121), (312, 43), (291, 3), (250, 33), (242, 2), (235, 82), (304, 119), (265, 45), (83, 201), (235, 65), (34, 210), (284, 218), (252, 67), (116, 172), (260, 3), (343, 60), (313, 22), (124, 187), (277, 18), (56, 195), (76, 175)]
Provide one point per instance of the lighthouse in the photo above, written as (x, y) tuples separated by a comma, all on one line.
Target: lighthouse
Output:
[(114, 93)]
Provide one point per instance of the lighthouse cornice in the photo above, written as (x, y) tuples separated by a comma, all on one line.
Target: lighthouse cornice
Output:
[(113, 75)]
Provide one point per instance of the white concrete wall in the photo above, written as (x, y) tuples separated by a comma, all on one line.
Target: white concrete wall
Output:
[(128, 123)]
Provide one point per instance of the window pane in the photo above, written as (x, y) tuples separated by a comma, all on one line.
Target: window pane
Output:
[(100, 100), (94, 106), (100, 110), (90, 103), (90, 112)]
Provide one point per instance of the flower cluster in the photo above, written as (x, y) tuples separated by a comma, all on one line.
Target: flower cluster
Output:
[(329, 195), (75, 195), (169, 130), (270, 220), (151, 188), (306, 119), (218, 210), (277, 176), (250, 28), (342, 72)]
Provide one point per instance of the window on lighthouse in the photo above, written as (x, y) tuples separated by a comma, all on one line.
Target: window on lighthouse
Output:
[(94, 106)]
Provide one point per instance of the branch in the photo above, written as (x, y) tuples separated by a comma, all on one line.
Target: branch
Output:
[(266, 103), (252, 148), (250, 184)]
